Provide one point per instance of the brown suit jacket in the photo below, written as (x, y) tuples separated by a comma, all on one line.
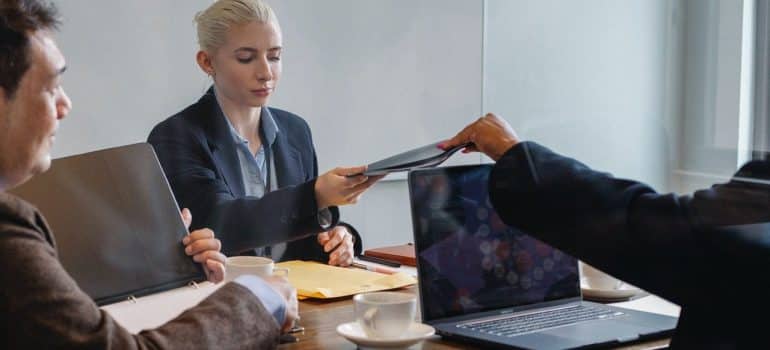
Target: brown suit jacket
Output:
[(41, 306)]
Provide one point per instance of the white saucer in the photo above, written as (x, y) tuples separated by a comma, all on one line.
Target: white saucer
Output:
[(417, 332), (626, 291)]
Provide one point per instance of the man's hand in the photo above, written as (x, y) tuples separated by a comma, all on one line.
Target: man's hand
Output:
[(281, 285), (339, 242), (490, 134), (336, 188), (205, 249)]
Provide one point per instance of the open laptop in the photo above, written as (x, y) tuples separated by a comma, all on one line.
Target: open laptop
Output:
[(115, 221), (488, 283)]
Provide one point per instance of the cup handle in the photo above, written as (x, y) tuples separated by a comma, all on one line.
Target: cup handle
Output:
[(368, 318), (283, 270)]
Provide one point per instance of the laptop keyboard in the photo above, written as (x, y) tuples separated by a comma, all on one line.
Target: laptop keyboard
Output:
[(517, 325)]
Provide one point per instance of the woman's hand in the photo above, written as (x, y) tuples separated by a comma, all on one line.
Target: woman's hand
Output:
[(338, 242), (342, 186)]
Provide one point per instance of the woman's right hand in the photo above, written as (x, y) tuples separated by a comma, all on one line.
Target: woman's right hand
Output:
[(335, 188)]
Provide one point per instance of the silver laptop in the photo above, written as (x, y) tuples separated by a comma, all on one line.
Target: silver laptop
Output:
[(485, 282), (115, 221)]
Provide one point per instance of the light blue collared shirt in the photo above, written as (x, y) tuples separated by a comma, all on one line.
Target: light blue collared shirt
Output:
[(254, 167)]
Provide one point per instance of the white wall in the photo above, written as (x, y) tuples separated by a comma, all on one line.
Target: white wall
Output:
[(712, 127), (130, 64), (586, 78)]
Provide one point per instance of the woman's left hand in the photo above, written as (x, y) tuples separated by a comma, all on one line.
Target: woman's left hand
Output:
[(339, 242)]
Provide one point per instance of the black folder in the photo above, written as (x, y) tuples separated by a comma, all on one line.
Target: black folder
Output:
[(115, 221), (422, 157)]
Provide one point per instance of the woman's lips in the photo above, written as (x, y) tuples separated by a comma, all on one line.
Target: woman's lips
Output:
[(262, 92)]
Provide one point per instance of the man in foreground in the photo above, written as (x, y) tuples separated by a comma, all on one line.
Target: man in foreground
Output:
[(41, 306)]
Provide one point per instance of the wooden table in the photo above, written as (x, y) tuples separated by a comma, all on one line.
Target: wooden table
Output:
[(320, 319)]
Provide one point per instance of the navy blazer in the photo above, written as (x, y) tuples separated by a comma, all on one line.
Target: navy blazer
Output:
[(705, 252), (198, 154)]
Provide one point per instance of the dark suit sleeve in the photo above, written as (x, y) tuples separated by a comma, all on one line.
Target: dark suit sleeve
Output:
[(357, 240), (43, 308), (656, 241), (308, 248), (287, 214)]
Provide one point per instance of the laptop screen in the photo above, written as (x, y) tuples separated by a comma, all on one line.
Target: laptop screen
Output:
[(468, 259)]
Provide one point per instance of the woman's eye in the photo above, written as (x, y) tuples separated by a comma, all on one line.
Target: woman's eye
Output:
[(275, 58), (244, 60)]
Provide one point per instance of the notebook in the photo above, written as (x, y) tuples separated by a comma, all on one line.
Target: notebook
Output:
[(115, 221), (403, 254), (485, 282)]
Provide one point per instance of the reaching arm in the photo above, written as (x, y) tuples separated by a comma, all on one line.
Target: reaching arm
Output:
[(658, 241)]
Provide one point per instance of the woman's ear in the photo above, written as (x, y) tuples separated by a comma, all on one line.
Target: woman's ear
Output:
[(204, 61)]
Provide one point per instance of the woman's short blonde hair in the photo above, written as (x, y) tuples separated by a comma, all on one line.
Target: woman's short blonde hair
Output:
[(214, 22)]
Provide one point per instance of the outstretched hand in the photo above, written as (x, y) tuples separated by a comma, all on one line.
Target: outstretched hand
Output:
[(489, 134), (341, 186)]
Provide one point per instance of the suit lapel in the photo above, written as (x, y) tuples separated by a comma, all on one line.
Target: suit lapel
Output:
[(222, 145)]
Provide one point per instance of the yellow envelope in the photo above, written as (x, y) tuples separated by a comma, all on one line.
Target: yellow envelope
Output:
[(321, 281)]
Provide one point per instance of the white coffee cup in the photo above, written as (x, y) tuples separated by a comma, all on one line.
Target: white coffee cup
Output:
[(385, 315), (596, 279), (252, 265)]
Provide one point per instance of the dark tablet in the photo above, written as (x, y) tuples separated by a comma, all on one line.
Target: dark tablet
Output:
[(422, 157)]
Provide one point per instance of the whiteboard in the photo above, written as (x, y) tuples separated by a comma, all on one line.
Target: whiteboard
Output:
[(375, 78), (130, 65)]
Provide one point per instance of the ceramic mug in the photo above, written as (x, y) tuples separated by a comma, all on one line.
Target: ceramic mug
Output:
[(252, 265), (385, 315), (596, 279)]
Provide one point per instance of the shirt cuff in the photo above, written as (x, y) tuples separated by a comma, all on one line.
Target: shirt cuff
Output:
[(325, 218), (271, 300)]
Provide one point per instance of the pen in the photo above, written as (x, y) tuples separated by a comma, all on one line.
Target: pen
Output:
[(379, 269)]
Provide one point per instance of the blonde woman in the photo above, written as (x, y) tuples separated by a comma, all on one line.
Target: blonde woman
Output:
[(247, 170)]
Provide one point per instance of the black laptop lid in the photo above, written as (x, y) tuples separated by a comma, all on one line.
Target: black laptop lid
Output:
[(115, 221), (468, 260)]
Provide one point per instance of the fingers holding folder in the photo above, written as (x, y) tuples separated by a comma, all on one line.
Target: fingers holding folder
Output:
[(337, 187)]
